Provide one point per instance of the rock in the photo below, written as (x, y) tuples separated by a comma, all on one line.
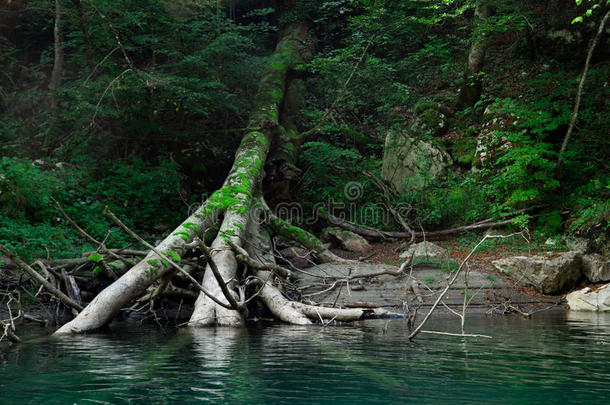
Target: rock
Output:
[(590, 300), (346, 240), (546, 276), (430, 123), (563, 44), (596, 268), (492, 144), (392, 290), (428, 253), (410, 163), (578, 244), (298, 256), (550, 242)]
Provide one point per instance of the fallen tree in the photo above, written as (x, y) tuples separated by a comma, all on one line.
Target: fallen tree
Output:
[(235, 211), (413, 236)]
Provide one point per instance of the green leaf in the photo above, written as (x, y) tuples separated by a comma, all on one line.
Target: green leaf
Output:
[(577, 20), (96, 257), (174, 256)]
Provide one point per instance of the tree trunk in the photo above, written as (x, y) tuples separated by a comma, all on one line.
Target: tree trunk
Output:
[(281, 172), (234, 200), (58, 61), (246, 175), (581, 86), (82, 20), (134, 283), (471, 90), (241, 207)]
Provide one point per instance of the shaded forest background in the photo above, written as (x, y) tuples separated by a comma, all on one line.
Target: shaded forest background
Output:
[(153, 97)]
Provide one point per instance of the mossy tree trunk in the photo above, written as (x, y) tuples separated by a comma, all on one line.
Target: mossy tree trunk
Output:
[(58, 58), (234, 206), (237, 197), (472, 87), (281, 171)]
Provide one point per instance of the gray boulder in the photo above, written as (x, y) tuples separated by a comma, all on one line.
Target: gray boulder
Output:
[(346, 240), (410, 163), (546, 276), (590, 300), (596, 268), (578, 244), (427, 253)]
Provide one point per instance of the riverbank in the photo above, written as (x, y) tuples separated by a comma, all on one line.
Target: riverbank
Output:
[(487, 290), (373, 282)]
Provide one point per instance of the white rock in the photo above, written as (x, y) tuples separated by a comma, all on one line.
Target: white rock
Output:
[(427, 253), (554, 276), (588, 300)]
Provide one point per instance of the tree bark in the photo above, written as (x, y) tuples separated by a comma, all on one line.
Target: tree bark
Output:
[(82, 20), (58, 60), (134, 283), (281, 172), (472, 88), (581, 86)]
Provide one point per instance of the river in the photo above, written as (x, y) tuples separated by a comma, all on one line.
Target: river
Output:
[(551, 358)]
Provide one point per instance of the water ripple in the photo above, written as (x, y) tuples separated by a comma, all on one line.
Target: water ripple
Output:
[(529, 360)]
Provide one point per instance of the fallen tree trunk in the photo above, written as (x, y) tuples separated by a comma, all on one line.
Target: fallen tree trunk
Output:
[(418, 236)]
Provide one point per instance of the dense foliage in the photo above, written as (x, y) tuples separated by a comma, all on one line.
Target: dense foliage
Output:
[(155, 96)]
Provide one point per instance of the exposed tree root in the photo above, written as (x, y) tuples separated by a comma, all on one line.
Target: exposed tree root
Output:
[(296, 312)]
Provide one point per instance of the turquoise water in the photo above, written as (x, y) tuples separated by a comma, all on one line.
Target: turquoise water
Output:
[(552, 358)]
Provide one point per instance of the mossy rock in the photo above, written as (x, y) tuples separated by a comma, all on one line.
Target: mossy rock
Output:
[(430, 123), (464, 149), (346, 240), (423, 106), (410, 163)]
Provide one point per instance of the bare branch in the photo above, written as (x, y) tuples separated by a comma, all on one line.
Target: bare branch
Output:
[(41, 280)]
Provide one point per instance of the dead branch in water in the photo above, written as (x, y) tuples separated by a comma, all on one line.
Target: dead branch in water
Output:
[(23, 266), (454, 278)]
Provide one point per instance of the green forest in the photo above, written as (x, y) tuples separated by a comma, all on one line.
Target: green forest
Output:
[(215, 126)]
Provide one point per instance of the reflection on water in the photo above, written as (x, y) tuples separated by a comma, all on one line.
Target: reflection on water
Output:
[(552, 358)]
